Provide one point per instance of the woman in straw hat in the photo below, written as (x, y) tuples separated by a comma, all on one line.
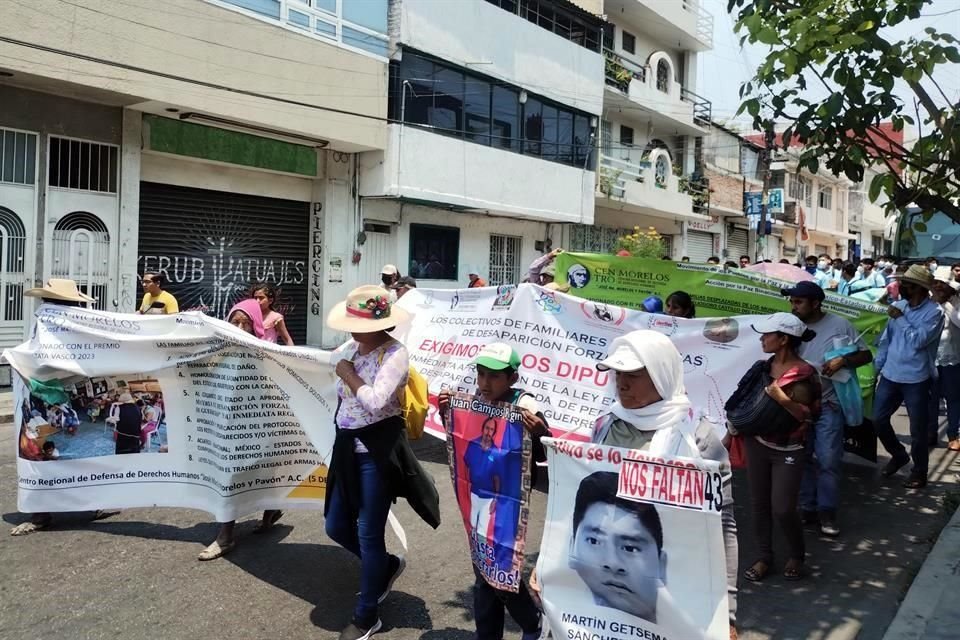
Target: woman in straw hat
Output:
[(371, 462), (128, 425)]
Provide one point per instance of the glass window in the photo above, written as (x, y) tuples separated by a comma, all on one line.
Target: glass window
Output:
[(371, 14), (298, 19), (325, 5), (327, 29), (628, 42), (626, 136), (608, 36), (364, 41), (826, 198), (447, 112), (477, 110), (506, 118), (663, 76), (533, 126), (269, 8), (416, 95), (550, 133), (606, 138), (565, 152), (434, 252), (581, 140)]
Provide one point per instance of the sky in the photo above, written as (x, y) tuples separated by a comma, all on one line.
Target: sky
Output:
[(722, 70)]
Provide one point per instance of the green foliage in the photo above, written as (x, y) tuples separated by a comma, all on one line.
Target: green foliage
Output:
[(642, 244), (841, 49)]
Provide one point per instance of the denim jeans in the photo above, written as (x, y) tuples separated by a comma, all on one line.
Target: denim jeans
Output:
[(946, 386), (820, 489), (916, 396), (362, 534)]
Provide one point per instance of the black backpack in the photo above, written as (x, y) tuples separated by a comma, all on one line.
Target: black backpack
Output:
[(751, 411)]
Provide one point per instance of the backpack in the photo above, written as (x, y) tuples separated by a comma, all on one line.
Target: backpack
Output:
[(752, 412), (414, 401)]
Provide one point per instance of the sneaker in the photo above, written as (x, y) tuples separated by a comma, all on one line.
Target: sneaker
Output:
[(357, 631), (829, 528), (894, 465), (396, 565)]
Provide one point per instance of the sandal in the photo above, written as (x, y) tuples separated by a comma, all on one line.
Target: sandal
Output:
[(794, 570), (954, 445), (26, 528), (759, 571), (270, 518), (216, 550)]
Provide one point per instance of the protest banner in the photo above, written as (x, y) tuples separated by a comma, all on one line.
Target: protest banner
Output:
[(632, 546), (559, 339), (489, 452), (716, 291), (220, 421)]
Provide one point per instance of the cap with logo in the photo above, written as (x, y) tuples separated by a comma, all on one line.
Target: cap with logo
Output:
[(783, 323), (804, 289), (498, 356), (389, 270)]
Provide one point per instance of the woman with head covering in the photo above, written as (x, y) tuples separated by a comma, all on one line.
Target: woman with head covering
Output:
[(653, 413), (775, 459), (245, 315), (128, 425)]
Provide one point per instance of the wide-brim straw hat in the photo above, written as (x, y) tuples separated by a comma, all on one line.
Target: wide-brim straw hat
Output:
[(367, 309), (125, 398), (60, 289), (918, 275)]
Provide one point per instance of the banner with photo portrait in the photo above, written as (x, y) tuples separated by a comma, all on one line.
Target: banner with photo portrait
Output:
[(632, 546), (117, 411), (489, 452)]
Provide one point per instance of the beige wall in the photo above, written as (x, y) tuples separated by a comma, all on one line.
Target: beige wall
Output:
[(206, 44)]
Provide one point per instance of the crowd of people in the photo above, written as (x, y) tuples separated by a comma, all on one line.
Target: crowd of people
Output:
[(785, 420)]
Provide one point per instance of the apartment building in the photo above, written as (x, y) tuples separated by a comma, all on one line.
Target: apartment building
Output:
[(652, 120), (212, 141)]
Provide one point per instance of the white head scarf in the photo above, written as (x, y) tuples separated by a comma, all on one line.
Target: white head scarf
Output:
[(655, 352)]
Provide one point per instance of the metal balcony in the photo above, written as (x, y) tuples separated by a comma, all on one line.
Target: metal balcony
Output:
[(702, 108), (620, 72)]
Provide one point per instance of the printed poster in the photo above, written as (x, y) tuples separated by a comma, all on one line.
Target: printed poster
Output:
[(632, 546), (117, 411), (489, 452)]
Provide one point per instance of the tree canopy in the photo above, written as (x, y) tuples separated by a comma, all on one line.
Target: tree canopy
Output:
[(843, 49)]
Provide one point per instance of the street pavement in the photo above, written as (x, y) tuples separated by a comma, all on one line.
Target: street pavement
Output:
[(135, 575)]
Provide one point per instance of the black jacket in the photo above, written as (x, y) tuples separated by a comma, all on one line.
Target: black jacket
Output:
[(401, 471)]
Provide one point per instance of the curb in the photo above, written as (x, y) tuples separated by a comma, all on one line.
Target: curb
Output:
[(933, 591)]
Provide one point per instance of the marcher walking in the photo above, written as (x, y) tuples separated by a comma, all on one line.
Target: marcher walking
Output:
[(476, 281), (947, 383), (820, 490), (156, 301), (372, 464), (775, 460), (680, 305), (906, 365), (274, 326)]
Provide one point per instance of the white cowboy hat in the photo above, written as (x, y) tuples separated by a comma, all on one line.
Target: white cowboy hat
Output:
[(60, 289), (367, 309)]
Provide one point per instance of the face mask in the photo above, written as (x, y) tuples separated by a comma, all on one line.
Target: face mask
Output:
[(811, 269), (822, 265), (881, 265), (933, 267), (860, 270)]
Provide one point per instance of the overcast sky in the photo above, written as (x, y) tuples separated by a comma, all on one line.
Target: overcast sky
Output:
[(726, 67)]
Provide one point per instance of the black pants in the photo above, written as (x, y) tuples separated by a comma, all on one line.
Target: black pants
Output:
[(489, 605), (774, 478)]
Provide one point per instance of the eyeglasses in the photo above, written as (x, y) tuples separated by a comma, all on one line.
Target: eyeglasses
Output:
[(148, 282)]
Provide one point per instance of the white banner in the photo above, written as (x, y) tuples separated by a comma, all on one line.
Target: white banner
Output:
[(559, 339), (219, 420), (632, 546)]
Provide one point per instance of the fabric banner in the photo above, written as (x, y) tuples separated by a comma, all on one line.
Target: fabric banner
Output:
[(716, 291), (559, 339), (490, 466), (632, 546), (214, 419)]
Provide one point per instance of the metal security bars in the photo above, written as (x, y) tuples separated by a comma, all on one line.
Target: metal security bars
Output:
[(504, 260), (13, 248), (81, 252), (81, 165)]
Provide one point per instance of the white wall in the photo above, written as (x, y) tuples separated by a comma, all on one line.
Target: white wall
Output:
[(429, 166), (480, 36)]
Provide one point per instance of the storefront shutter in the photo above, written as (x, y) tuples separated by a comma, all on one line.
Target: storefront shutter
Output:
[(738, 244), (699, 245)]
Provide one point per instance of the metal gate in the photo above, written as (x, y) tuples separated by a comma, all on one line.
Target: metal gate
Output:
[(699, 246), (213, 245), (81, 252), (738, 244), (504, 260), (18, 202), (13, 251), (377, 250)]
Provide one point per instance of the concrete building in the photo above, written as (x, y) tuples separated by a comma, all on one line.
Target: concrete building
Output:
[(213, 141), (652, 121)]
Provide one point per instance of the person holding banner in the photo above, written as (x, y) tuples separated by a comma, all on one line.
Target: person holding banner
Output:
[(245, 315), (652, 413), (372, 464), (680, 305), (498, 367)]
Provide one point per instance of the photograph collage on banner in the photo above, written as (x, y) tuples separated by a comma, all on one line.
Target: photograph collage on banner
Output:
[(632, 546), (490, 452)]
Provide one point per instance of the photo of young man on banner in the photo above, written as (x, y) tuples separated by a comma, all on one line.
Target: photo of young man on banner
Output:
[(489, 452)]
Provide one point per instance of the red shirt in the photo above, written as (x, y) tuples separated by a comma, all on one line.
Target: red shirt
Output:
[(479, 282)]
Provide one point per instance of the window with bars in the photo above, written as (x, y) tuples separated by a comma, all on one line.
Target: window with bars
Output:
[(825, 198), (799, 189), (87, 166), (18, 157), (504, 259)]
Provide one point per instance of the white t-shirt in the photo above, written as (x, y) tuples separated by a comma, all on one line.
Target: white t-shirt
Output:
[(828, 328)]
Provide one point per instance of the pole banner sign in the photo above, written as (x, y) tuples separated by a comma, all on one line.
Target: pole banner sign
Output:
[(559, 339), (490, 467), (632, 545), (716, 291), (215, 419)]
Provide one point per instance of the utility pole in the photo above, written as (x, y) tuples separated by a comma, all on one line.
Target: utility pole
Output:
[(768, 149)]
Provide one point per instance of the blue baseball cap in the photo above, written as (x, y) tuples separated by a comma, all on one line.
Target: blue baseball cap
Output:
[(653, 304)]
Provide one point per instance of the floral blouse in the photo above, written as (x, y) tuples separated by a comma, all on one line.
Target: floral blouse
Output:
[(384, 370)]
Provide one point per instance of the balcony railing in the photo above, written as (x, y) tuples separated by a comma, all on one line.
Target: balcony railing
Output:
[(614, 174), (617, 174), (702, 108), (620, 71), (704, 20)]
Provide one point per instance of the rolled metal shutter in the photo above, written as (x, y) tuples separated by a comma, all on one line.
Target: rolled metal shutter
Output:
[(213, 245), (699, 245), (738, 244)]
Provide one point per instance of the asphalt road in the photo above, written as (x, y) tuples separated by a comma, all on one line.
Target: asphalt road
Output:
[(135, 575)]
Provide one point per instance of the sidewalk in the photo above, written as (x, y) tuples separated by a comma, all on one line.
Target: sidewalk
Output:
[(930, 610), (6, 407)]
